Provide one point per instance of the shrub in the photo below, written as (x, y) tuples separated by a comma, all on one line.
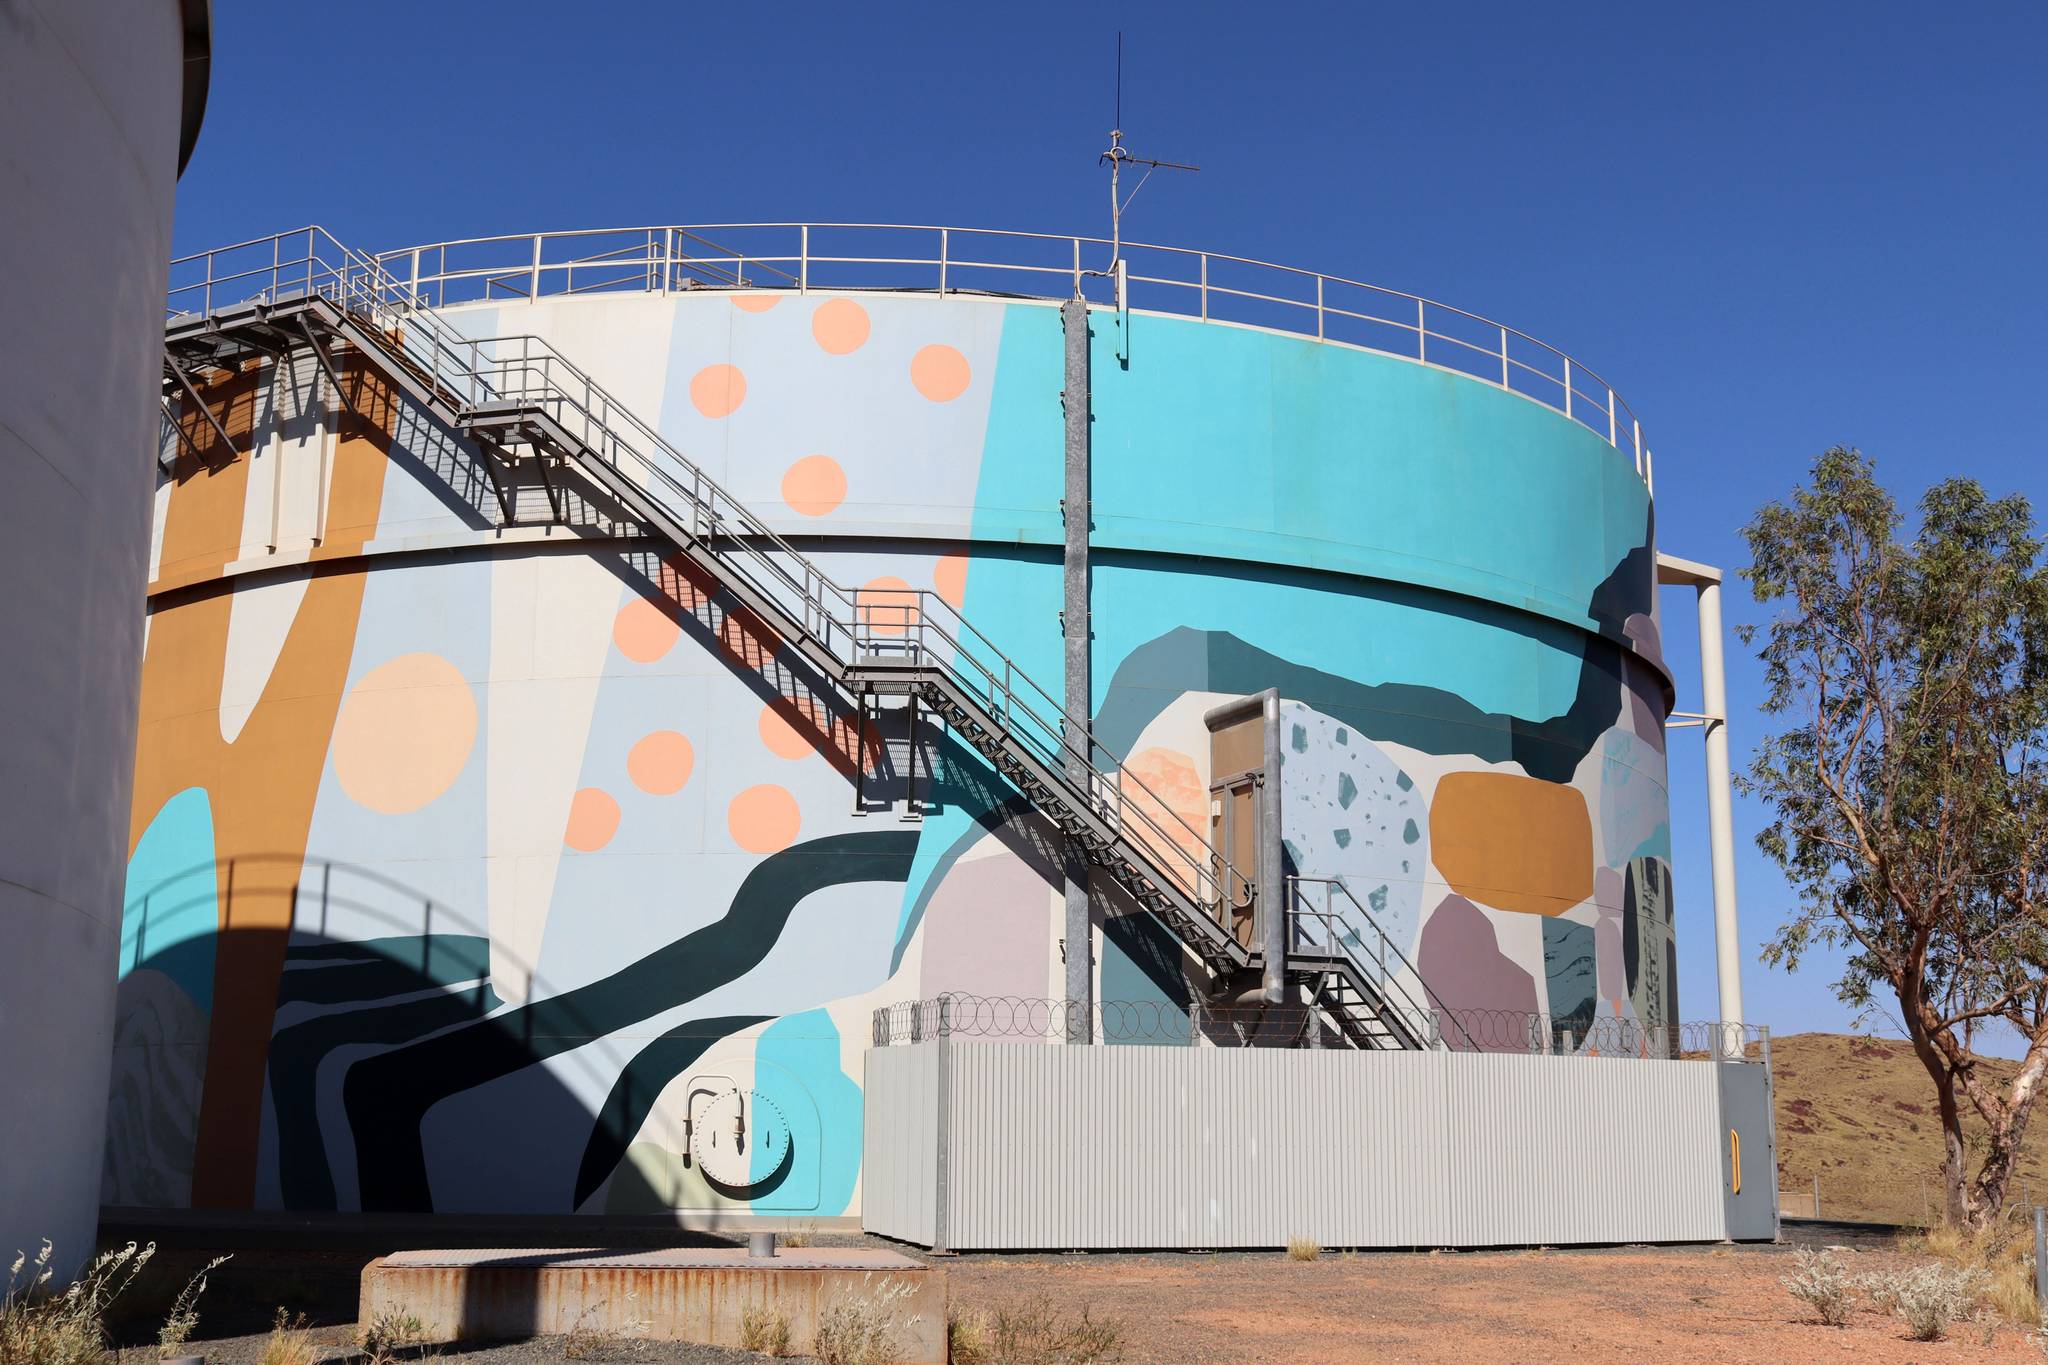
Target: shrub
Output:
[(1302, 1249), (183, 1318), (764, 1331), (38, 1327), (390, 1335), (1821, 1284), (290, 1343), (1930, 1297), (1036, 1333)]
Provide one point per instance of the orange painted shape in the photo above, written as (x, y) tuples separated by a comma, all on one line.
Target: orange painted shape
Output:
[(1512, 842), (660, 763), (643, 631), (764, 819), (404, 732), (940, 373), (755, 303), (593, 820), (840, 326), (718, 390), (886, 605), (814, 485), (949, 577)]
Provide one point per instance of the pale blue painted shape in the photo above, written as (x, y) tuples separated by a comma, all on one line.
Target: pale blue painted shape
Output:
[(806, 1047), (171, 907)]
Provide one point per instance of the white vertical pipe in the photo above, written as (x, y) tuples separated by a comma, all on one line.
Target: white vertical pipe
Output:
[(1720, 813)]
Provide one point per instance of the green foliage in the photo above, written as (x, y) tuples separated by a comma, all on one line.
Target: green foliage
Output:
[(1908, 783)]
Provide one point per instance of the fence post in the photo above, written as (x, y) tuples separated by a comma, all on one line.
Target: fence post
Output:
[(2041, 1257), (1816, 1194), (943, 1125)]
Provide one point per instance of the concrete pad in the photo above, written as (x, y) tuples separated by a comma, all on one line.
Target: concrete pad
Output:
[(681, 1294)]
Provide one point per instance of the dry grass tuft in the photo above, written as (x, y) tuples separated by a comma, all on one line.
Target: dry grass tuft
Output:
[(1302, 1249), (1033, 1333), (970, 1338), (764, 1332), (390, 1337), (861, 1328), (2002, 1257), (290, 1342), (41, 1327)]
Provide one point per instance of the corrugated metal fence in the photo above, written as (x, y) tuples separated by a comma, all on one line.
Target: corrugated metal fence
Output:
[(989, 1145)]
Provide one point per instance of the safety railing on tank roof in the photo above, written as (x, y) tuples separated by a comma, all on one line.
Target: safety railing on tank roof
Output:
[(955, 1014), (755, 257), (852, 624)]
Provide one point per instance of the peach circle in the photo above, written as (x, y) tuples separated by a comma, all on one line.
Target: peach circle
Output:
[(781, 736), (949, 576), (886, 606), (643, 631), (403, 733), (840, 326), (764, 819), (718, 390), (660, 763), (814, 485), (755, 303), (593, 820), (940, 373)]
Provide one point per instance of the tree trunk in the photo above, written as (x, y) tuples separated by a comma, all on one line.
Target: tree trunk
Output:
[(1957, 1208)]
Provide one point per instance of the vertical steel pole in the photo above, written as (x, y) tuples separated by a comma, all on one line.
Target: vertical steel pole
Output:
[(1075, 625), (2041, 1258), (1816, 1194), (942, 1147), (1272, 904), (535, 280), (1720, 818)]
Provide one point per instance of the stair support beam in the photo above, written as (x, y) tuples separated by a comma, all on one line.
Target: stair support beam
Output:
[(1074, 625)]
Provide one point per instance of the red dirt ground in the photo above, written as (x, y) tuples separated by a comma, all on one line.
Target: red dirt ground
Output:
[(1720, 1305)]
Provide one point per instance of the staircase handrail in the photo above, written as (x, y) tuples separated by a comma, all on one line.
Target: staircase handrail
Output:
[(474, 372), (1301, 913)]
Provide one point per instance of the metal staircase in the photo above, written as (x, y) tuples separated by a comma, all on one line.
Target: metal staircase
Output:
[(517, 392)]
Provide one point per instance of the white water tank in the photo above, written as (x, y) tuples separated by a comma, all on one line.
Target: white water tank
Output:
[(99, 103)]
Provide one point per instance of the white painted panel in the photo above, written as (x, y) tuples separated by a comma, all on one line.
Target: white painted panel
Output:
[(1206, 1147)]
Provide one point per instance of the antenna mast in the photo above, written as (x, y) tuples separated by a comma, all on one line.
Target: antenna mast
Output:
[(1117, 157)]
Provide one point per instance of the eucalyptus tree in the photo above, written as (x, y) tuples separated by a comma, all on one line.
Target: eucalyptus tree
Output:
[(1906, 672)]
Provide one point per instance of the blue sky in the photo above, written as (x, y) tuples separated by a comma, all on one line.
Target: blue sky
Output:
[(1772, 227)]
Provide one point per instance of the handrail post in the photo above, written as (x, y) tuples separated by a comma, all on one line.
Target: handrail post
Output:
[(1421, 333), (413, 289), (1567, 385), (1610, 417), (945, 245), (533, 293), (1319, 308), (1205, 286), (1504, 358), (803, 265)]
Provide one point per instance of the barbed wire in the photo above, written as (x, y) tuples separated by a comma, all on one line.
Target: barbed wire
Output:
[(955, 1014)]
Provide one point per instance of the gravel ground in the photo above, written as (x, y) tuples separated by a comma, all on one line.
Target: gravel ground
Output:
[(1714, 1305)]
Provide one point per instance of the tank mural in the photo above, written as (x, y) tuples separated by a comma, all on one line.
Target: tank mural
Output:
[(495, 868)]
